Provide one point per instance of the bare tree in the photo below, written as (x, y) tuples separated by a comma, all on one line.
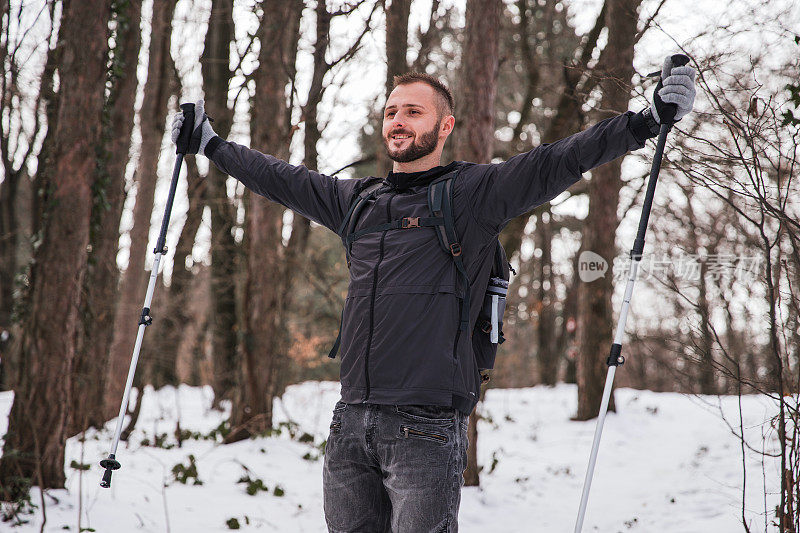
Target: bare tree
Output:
[(270, 289), (17, 150), (296, 251), (547, 355), (595, 313), (102, 275), (474, 138), (751, 168), (215, 61), (152, 120), (252, 406), (556, 68), (426, 39), (397, 13), (33, 451)]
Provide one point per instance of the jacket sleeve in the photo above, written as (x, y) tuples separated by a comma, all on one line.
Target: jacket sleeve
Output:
[(318, 197), (503, 191)]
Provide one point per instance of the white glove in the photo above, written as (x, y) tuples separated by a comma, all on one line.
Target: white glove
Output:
[(675, 87), (202, 126)]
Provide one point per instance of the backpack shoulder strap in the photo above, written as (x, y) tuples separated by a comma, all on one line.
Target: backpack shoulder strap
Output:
[(369, 192), (440, 193), (359, 199), (440, 203)]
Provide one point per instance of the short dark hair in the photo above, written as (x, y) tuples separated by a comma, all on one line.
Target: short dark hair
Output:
[(445, 104)]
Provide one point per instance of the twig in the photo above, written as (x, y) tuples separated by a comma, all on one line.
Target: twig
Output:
[(166, 507), (38, 452), (41, 495), (80, 480), (744, 453)]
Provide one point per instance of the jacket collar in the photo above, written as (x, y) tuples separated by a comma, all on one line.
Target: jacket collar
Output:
[(405, 180)]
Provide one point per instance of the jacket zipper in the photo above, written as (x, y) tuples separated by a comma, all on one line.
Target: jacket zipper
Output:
[(411, 431), (458, 329), (372, 299)]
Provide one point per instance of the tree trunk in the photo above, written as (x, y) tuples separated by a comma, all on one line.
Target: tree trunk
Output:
[(9, 240), (703, 346), (215, 62), (567, 341), (396, 47), (102, 276), (595, 313), (773, 381), (9, 234), (547, 355), (17, 193), (705, 353), (134, 279), (301, 226), (252, 409), (427, 39), (44, 160), (34, 445), (475, 137), (8, 202)]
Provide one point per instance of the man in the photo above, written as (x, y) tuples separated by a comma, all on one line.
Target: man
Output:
[(397, 444)]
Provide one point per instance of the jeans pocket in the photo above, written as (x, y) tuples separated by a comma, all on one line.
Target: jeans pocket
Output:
[(338, 412), (426, 413), (425, 434)]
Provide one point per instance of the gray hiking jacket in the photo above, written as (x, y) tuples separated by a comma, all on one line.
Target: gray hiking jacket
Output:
[(400, 339)]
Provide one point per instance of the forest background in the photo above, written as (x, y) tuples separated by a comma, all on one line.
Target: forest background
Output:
[(250, 297)]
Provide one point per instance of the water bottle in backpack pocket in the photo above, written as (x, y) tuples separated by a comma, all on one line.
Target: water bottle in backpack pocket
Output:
[(488, 332)]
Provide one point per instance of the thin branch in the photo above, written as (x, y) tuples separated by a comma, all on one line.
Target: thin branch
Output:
[(368, 159), (649, 22), (357, 44), (347, 10)]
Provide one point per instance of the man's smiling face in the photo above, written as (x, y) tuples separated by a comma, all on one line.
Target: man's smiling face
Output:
[(412, 123)]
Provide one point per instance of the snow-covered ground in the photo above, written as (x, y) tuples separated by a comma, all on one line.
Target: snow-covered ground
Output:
[(668, 463)]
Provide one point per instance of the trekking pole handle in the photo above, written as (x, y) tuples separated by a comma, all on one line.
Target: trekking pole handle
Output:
[(182, 144), (677, 60)]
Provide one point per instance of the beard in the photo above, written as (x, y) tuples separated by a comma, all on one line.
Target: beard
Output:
[(421, 146)]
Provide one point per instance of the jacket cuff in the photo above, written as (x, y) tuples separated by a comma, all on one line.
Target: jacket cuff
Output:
[(212, 146), (642, 125)]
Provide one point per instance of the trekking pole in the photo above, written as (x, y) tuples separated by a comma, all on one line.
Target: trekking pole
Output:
[(615, 358), (111, 463)]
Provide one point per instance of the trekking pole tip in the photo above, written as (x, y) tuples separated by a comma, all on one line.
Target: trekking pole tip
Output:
[(110, 465)]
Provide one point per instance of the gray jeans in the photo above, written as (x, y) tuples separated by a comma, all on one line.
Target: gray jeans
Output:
[(394, 468)]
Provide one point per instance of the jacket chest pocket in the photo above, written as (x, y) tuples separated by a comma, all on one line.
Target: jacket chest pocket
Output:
[(397, 257)]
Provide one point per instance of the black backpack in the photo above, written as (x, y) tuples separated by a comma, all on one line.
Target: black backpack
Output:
[(488, 331)]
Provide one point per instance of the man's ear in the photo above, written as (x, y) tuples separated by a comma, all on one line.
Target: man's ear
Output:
[(448, 123)]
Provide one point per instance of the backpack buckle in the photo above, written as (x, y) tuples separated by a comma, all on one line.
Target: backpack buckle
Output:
[(455, 249), (409, 222)]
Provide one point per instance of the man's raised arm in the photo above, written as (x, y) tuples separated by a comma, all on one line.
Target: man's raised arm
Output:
[(506, 190), (315, 196)]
